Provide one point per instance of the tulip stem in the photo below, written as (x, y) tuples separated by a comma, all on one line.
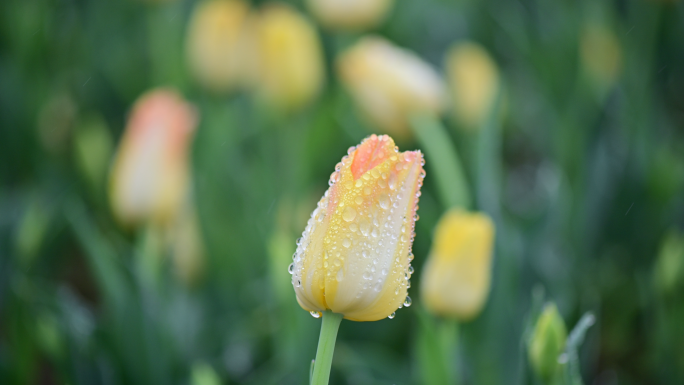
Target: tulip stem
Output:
[(326, 347), (441, 154)]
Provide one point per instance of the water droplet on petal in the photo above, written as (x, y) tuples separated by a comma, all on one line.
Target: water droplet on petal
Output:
[(290, 269), (315, 314), (407, 301), (364, 226), (340, 275), (391, 316), (392, 183), (384, 201), (358, 200), (346, 242), (349, 214), (410, 269)]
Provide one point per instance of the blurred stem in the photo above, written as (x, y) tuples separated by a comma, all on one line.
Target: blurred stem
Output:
[(326, 347), (437, 346), (448, 336), (443, 160)]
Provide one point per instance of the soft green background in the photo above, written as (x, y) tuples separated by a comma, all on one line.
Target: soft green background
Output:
[(584, 183)]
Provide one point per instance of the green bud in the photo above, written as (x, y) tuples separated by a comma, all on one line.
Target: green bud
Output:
[(669, 267), (547, 343), (204, 374)]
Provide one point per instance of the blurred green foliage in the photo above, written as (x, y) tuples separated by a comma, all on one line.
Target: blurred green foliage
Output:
[(583, 177)]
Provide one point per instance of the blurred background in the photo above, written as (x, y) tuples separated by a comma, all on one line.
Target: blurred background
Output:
[(158, 160)]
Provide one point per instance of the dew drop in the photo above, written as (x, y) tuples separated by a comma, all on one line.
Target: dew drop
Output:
[(391, 316), (353, 227), (346, 242), (374, 233), (337, 262), (358, 200), (410, 269), (392, 183), (407, 301), (315, 314), (358, 183), (384, 201), (349, 214), (367, 190), (410, 257), (290, 269), (384, 271), (340, 275), (364, 226), (378, 287)]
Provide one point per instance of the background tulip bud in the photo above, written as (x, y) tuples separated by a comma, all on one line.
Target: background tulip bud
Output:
[(355, 253), (149, 177), (216, 46), (290, 59), (601, 55), (547, 343), (349, 14), (669, 267), (456, 277), (474, 83), (389, 84)]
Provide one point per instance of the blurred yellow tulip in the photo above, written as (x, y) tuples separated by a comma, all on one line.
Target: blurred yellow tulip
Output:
[(456, 277), (216, 45), (601, 55), (149, 176), (289, 67), (349, 14), (355, 253), (474, 83), (389, 84)]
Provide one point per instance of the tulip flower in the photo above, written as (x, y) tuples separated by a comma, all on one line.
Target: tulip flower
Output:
[(349, 14), (216, 43), (353, 259), (456, 277), (289, 69), (474, 83), (149, 177), (389, 84)]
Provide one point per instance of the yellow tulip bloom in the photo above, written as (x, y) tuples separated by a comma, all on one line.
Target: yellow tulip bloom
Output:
[(289, 69), (456, 277), (389, 84), (355, 253), (216, 46), (349, 14), (474, 82), (149, 177)]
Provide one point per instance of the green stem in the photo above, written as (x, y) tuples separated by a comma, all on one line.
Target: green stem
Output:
[(443, 159), (326, 347)]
